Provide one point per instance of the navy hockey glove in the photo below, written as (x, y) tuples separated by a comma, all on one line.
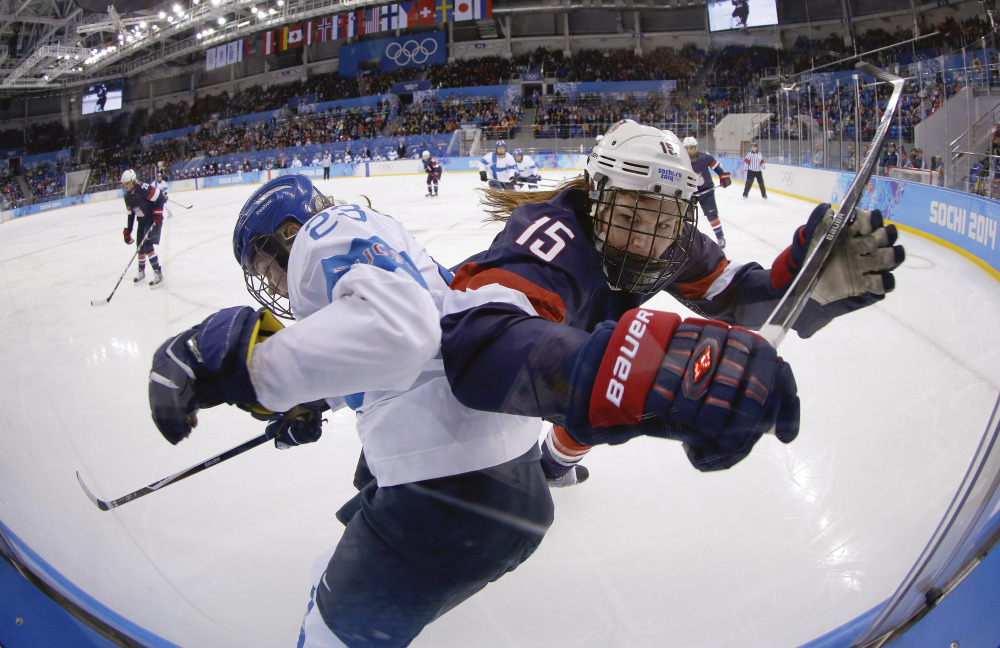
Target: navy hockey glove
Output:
[(299, 425), (127, 233), (715, 388), (482, 176), (206, 366), (725, 180), (857, 273)]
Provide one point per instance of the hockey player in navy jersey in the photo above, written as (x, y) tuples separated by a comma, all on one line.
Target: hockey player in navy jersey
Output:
[(145, 211), (433, 169), (497, 168), (702, 164), (367, 300), (597, 363)]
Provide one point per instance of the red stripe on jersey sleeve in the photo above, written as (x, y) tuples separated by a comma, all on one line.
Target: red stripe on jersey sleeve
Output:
[(697, 289), (547, 303)]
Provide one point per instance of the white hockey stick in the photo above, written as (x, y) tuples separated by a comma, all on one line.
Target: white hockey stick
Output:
[(102, 302), (790, 306)]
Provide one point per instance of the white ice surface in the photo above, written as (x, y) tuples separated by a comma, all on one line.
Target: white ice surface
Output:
[(789, 544)]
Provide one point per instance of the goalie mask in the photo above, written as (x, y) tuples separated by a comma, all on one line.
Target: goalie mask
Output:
[(640, 187), (264, 233)]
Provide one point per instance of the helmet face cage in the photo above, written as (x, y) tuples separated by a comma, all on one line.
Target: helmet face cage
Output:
[(641, 193), (631, 226), (264, 234), (129, 180)]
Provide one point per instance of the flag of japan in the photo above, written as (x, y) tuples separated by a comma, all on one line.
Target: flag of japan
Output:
[(463, 10)]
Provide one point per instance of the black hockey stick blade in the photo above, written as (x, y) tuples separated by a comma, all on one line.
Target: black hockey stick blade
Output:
[(107, 505), (103, 302), (790, 306), (181, 204)]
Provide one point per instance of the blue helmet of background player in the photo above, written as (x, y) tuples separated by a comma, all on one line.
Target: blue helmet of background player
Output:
[(518, 154), (265, 230), (501, 145), (641, 187)]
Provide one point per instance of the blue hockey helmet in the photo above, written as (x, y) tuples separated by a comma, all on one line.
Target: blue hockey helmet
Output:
[(518, 153), (264, 232), (501, 143)]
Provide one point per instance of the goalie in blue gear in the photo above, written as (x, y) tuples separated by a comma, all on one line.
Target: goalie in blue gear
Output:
[(589, 255), (367, 301)]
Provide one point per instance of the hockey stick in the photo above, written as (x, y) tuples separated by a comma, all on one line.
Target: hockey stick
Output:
[(791, 304), (102, 302), (181, 204), (106, 505)]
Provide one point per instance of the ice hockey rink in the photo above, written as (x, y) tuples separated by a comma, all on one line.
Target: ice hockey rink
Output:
[(786, 546)]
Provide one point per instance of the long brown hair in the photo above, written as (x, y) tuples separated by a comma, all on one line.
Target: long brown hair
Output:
[(498, 203)]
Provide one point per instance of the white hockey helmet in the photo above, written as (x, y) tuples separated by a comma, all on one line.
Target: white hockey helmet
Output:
[(641, 187), (129, 180), (689, 141), (425, 155)]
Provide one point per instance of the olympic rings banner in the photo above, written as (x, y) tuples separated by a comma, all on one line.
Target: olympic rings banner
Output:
[(412, 51)]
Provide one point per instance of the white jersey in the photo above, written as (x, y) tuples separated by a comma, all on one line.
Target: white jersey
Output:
[(162, 185), (368, 302), (498, 168), (526, 168)]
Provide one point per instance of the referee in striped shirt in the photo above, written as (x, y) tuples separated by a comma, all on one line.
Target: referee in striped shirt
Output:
[(755, 165)]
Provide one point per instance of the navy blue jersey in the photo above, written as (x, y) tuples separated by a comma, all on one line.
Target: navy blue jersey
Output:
[(703, 164), (432, 167), (499, 358), (146, 201)]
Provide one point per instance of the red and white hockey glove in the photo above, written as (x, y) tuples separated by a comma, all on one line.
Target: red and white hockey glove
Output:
[(725, 180), (716, 388), (127, 234)]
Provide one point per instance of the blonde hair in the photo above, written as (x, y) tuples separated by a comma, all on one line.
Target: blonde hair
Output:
[(499, 204)]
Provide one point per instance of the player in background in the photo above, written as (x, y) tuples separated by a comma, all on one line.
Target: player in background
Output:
[(450, 498), (754, 162), (600, 366), (433, 169), (497, 168), (161, 184), (527, 170), (145, 211), (741, 11), (702, 163)]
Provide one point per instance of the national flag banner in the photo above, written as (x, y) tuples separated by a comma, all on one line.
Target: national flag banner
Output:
[(270, 43), (221, 56), (322, 30), (371, 20), (233, 52), (473, 9), (407, 14), (210, 59), (425, 12), (444, 11), (389, 17), (353, 24), (293, 36), (342, 25)]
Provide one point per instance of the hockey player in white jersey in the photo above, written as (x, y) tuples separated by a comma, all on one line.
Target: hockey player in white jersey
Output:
[(497, 168), (527, 171), (163, 185), (367, 300)]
